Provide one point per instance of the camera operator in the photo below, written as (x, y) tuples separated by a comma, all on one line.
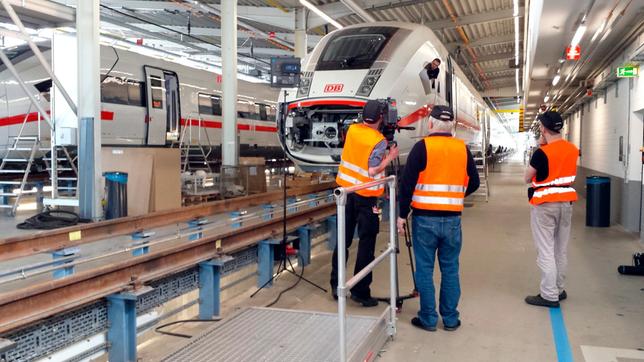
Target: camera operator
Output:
[(439, 173), (364, 159)]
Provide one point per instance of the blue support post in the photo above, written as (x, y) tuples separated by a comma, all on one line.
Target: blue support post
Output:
[(140, 238), (313, 202), (6, 189), (332, 227), (265, 261), (64, 253), (121, 333), (234, 215), (269, 209), (195, 225), (304, 256), (289, 201), (210, 287)]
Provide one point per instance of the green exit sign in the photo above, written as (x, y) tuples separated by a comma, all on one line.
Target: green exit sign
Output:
[(628, 72)]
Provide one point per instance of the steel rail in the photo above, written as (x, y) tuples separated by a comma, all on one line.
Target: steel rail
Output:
[(51, 240), (19, 308)]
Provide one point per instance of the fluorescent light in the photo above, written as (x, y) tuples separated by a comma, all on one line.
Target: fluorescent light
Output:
[(546, 98), (578, 35), (516, 8), (556, 79), (516, 80), (321, 14), (601, 28)]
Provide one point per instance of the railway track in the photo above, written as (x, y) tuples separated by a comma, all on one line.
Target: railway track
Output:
[(168, 254)]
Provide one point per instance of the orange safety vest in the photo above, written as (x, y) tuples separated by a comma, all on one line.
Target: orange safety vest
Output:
[(442, 184), (354, 166), (562, 169)]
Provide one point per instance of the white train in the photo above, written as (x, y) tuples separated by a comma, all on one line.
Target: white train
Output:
[(373, 61), (145, 101)]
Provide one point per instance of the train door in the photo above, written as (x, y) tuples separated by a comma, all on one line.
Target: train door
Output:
[(162, 88)]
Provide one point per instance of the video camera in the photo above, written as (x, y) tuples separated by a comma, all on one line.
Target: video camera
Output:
[(390, 119)]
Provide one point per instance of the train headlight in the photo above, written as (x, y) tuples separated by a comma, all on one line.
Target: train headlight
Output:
[(305, 84), (369, 82)]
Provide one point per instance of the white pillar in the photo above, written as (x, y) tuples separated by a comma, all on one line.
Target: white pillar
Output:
[(301, 39), (89, 109), (229, 143)]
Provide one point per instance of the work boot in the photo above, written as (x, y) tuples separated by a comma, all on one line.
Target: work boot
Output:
[(563, 295), (452, 328), (417, 323), (365, 301), (540, 302)]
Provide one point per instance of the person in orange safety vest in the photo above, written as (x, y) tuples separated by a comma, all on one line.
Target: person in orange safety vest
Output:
[(439, 173), (364, 159), (551, 174)]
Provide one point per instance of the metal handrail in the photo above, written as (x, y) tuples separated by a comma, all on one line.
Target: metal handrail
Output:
[(341, 194)]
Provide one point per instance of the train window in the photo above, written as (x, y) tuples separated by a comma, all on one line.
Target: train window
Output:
[(263, 114), (156, 85), (355, 48), (113, 90), (209, 104), (242, 114), (136, 93), (44, 88)]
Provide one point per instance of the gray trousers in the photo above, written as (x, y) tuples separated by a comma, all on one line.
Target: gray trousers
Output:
[(550, 224)]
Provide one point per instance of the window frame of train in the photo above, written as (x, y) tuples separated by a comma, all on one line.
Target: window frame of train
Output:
[(212, 110), (359, 60), (161, 132), (122, 91)]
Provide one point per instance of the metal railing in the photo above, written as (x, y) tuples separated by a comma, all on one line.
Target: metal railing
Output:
[(341, 194)]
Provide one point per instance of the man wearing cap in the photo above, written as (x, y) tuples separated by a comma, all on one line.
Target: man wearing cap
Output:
[(551, 173), (439, 173), (364, 159)]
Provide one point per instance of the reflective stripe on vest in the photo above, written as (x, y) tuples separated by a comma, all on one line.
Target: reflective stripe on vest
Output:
[(353, 169), (562, 168), (441, 185)]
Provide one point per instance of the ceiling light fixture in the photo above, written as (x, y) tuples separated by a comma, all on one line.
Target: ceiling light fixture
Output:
[(546, 98), (599, 30), (556, 79), (321, 14), (515, 14), (578, 35)]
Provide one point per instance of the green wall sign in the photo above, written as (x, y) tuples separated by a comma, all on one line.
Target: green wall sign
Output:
[(628, 72)]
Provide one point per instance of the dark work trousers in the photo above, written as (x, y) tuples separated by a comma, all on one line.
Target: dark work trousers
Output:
[(360, 212)]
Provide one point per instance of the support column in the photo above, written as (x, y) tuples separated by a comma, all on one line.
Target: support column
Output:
[(332, 229), (229, 144), (121, 333), (301, 39), (265, 261), (210, 287), (89, 109), (304, 255)]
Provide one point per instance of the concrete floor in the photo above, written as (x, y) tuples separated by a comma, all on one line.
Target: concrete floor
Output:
[(604, 309)]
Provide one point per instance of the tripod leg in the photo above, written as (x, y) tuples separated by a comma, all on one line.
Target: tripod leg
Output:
[(292, 271), (411, 258)]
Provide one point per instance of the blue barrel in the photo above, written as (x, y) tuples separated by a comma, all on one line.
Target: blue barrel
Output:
[(115, 194), (597, 201)]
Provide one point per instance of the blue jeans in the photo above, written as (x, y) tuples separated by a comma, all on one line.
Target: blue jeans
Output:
[(442, 236)]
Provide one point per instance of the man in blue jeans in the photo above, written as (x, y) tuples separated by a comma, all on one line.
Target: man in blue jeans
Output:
[(439, 173)]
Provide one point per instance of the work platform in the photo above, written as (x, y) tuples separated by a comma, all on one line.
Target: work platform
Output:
[(270, 334)]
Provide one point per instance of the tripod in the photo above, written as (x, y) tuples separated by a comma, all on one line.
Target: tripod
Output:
[(282, 267), (392, 223)]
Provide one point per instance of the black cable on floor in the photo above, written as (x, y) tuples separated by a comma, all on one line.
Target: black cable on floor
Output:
[(50, 219), (287, 289), (158, 329)]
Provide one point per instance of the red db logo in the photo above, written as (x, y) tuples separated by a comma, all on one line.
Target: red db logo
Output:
[(333, 88)]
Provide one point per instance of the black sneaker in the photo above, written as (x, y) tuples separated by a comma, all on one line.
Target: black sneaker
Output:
[(366, 302), (540, 302), (452, 328), (563, 295), (417, 323)]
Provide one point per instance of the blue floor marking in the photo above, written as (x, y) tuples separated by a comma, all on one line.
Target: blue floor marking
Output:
[(564, 354)]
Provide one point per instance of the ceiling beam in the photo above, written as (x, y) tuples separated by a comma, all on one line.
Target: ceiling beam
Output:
[(492, 40), (494, 57), (500, 92), (478, 18), (338, 10)]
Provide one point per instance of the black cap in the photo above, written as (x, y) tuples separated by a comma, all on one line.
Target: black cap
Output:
[(372, 111), (443, 113), (551, 120)]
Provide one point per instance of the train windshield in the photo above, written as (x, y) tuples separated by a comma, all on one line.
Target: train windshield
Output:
[(355, 48)]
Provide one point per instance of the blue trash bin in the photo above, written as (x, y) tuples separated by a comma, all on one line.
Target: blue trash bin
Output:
[(115, 194), (598, 201)]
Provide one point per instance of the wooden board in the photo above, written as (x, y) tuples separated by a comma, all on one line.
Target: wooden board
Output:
[(166, 179), (138, 167)]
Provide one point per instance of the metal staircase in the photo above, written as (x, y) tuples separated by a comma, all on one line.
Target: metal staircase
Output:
[(63, 174), (15, 168), (481, 166), (195, 150)]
